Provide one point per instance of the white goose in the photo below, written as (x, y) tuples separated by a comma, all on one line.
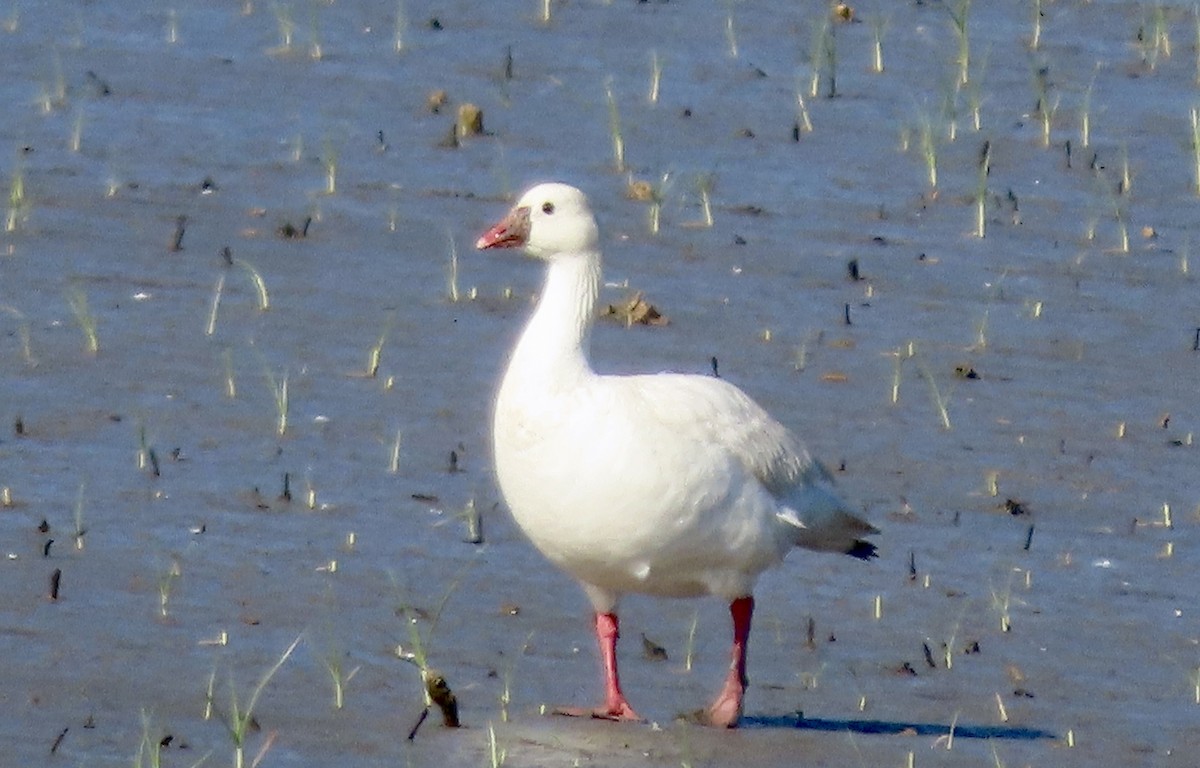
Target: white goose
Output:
[(665, 484)]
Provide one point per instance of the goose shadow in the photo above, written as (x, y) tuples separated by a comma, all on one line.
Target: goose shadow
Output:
[(797, 721)]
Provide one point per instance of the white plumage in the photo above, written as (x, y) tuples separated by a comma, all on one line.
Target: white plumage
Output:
[(666, 484)]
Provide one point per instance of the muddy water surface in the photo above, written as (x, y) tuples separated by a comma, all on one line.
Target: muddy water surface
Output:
[(1050, 363)]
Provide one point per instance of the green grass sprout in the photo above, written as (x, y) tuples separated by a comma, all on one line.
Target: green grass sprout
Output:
[(878, 27), (959, 17), (240, 719), (18, 204), (80, 530), (77, 300), (614, 128), (279, 392), (655, 77)]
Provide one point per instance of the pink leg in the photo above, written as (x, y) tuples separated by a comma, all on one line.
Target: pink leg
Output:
[(615, 706), (726, 709)]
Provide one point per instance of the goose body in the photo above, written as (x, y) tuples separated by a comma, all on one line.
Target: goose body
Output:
[(666, 484)]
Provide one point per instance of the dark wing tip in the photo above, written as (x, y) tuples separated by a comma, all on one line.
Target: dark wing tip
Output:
[(863, 550)]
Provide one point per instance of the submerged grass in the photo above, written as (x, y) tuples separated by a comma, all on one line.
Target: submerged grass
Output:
[(334, 662), (614, 128), (1195, 144), (394, 454), (705, 183), (434, 688), (22, 333), (239, 720), (929, 152), (80, 530), (981, 190), (940, 401), (286, 25), (153, 742), (879, 26), (211, 326), (375, 353), (77, 300), (17, 203), (655, 77), (166, 582), (658, 195), (822, 54), (452, 271), (399, 28), (279, 393), (960, 12)]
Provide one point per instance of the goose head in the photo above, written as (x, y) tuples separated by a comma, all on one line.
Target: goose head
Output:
[(549, 219)]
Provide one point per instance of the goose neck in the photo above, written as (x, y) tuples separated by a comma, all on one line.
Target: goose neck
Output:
[(558, 332)]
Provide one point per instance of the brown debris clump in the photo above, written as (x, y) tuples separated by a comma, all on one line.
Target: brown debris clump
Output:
[(436, 100), (635, 310), (640, 191), (441, 695)]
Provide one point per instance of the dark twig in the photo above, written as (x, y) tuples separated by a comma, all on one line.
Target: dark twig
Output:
[(412, 733), (180, 228), (58, 741)]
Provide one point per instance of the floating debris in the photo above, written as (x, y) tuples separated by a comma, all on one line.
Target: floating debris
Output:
[(100, 84), (441, 695), (635, 310), (177, 238), (289, 231), (639, 190), (1015, 508), (436, 100), (928, 656), (651, 650), (58, 741)]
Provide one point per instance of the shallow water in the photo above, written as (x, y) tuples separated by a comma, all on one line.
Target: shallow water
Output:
[(1083, 410)]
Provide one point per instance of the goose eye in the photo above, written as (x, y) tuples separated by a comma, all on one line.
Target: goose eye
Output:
[(547, 208)]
